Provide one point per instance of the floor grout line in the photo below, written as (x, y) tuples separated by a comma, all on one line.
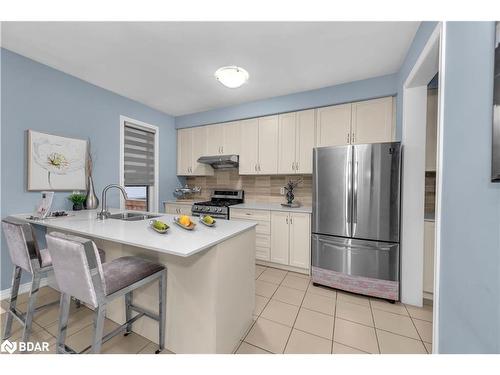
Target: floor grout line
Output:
[(295, 320), (373, 319)]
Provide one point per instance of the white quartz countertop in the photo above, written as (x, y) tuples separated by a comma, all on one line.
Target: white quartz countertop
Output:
[(183, 201), (271, 207), (177, 241)]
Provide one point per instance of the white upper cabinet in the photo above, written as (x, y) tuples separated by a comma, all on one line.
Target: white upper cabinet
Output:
[(304, 145), (372, 121), (268, 145), (287, 142), (231, 132), (296, 138), (333, 126), (215, 136), (249, 153), (191, 144), (184, 147)]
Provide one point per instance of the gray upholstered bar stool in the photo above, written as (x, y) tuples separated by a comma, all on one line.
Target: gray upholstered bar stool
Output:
[(26, 256), (80, 273)]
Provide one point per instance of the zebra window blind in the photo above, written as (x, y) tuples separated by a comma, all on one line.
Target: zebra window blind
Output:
[(139, 156)]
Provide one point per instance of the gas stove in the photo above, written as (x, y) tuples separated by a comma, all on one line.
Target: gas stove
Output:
[(218, 205)]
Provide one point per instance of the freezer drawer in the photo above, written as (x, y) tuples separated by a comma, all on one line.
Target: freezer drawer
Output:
[(367, 259)]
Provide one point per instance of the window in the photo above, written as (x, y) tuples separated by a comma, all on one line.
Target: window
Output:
[(139, 165)]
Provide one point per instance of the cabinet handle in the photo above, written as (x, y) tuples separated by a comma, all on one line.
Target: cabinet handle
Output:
[(259, 167), (348, 135), (222, 149), (286, 220), (353, 138), (255, 167), (293, 166), (296, 165), (291, 220)]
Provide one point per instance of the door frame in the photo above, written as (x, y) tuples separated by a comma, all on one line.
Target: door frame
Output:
[(430, 61), (154, 195)]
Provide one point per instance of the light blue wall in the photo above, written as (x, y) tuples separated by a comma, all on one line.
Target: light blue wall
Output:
[(37, 97), (470, 211), (348, 92)]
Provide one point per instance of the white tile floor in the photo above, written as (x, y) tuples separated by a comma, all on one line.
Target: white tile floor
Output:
[(291, 316)]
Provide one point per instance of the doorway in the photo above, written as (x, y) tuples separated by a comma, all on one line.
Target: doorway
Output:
[(417, 173)]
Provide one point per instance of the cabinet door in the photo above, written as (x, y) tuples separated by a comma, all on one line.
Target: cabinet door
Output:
[(199, 148), (429, 235), (286, 142), (232, 138), (184, 151), (372, 121), (333, 126), (268, 145), (280, 229), (306, 125), (214, 139), (300, 240), (249, 136)]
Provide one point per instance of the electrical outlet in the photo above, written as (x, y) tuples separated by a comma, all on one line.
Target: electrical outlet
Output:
[(282, 191)]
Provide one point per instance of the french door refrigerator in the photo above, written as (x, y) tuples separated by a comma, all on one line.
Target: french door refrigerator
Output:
[(356, 218)]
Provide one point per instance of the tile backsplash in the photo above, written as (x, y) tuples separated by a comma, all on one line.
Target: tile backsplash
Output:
[(257, 188)]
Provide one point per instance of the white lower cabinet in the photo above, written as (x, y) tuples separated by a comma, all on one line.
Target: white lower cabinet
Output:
[(429, 236), (280, 237), (177, 208), (283, 239), (300, 240)]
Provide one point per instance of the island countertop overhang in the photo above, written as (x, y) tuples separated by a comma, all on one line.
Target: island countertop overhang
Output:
[(176, 241)]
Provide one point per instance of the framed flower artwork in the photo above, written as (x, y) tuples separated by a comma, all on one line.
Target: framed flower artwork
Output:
[(55, 162)]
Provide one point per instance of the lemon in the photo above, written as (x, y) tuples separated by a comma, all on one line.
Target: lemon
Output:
[(185, 220)]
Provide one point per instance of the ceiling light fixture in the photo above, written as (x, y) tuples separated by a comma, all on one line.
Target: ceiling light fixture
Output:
[(232, 76)]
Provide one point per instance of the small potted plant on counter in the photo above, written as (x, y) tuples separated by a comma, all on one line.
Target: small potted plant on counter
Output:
[(78, 200)]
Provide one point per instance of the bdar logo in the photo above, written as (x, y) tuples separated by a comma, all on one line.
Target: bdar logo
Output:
[(9, 347)]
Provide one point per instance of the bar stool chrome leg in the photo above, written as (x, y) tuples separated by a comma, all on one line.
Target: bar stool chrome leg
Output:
[(128, 312), (63, 323), (162, 284), (16, 280), (35, 286), (99, 317)]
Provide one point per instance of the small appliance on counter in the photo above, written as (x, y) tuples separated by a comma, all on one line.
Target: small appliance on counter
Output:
[(355, 221), (218, 205)]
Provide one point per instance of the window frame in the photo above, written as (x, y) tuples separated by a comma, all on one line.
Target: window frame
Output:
[(152, 191)]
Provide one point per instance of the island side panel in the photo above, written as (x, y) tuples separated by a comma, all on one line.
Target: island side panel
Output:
[(235, 290), (191, 299)]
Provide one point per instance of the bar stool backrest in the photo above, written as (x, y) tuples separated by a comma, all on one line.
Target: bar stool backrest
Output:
[(77, 267), (22, 248)]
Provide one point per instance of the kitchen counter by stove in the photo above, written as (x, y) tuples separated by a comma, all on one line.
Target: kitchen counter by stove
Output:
[(271, 207)]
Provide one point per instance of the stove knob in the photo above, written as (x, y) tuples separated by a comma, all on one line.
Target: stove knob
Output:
[(219, 210)]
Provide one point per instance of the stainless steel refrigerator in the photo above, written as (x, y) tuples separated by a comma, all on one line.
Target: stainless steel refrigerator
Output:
[(356, 218)]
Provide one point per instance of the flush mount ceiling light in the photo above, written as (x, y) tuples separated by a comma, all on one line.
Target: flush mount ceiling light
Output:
[(232, 76)]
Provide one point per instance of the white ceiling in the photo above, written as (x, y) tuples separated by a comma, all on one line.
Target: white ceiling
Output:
[(169, 65)]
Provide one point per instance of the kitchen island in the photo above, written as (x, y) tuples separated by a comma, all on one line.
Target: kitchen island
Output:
[(210, 284)]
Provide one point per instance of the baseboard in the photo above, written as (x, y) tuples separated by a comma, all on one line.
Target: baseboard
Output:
[(23, 288), (282, 266)]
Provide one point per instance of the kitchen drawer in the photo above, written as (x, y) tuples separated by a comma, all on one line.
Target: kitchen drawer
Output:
[(263, 240), (176, 209), (255, 215), (262, 253)]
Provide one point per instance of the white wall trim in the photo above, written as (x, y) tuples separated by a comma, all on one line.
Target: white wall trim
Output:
[(23, 288), (430, 60), (154, 201)]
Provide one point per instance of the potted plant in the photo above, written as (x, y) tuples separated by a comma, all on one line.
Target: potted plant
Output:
[(77, 199)]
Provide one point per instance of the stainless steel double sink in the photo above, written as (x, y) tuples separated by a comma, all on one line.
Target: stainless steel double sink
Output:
[(132, 216)]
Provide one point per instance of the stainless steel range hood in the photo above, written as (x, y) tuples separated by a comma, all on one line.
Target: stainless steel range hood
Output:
[(220, 161)]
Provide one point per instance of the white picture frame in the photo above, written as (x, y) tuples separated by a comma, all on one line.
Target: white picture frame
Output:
[(55, 163)]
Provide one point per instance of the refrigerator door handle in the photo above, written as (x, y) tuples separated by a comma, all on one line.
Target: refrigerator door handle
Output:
[(348, 177), (355, 197)]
